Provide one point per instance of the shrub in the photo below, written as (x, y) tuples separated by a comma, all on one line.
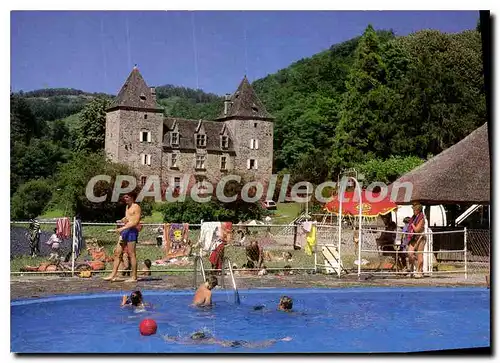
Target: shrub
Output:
[(191, 211), (31, 199)]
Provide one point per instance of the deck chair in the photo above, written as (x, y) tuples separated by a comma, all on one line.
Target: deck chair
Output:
[(333, 262)]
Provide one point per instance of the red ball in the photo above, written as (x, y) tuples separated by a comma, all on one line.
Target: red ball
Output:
[(148, 327)]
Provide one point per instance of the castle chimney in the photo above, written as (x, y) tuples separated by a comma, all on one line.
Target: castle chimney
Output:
[(153, 92), (227, 104)]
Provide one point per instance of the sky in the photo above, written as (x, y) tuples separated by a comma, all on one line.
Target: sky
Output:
[(211, 50)]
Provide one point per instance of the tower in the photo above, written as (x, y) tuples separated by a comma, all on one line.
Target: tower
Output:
[(252, 130), (134, 127)]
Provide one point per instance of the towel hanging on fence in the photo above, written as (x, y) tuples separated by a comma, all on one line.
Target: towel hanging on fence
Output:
[(78, 244), (175, 236), (301, 235), (208, 234), (63, 228), (310, 241), (34, 237)]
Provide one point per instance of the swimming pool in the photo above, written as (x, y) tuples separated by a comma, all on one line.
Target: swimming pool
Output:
[(326, 320)]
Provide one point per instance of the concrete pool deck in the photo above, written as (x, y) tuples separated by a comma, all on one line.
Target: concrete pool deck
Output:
[(39, 286)]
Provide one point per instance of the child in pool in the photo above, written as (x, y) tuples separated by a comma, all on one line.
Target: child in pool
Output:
[(135, 299), (285, 304), (203, 296)]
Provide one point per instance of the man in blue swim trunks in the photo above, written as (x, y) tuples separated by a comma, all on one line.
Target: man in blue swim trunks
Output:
[(128, 237)]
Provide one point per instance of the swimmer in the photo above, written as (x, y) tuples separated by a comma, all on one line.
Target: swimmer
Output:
[(285, 304), (203, 296), (135, 299), (201, 337)]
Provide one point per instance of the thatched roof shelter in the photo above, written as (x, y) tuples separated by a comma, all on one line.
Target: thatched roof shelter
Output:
[(460, 174)]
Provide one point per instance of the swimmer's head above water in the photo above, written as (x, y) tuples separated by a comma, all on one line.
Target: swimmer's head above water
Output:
[(199, 335), (286, 303), (211, 282), (135, 298)]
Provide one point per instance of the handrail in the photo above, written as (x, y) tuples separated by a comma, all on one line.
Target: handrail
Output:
[(195, 277), (236, 293)]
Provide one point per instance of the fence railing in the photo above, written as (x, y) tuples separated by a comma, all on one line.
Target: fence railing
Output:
[(283, 244)]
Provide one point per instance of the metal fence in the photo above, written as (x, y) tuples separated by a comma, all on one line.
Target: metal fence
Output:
[(284, 250)]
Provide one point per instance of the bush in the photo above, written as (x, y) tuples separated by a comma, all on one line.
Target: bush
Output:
[(191, 211), (31, 199), (72, 181), (147, 206)]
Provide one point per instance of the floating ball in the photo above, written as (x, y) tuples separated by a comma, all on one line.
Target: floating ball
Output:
[(148, 327)]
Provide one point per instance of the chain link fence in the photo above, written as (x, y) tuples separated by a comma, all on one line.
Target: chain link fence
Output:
[(283, 247)]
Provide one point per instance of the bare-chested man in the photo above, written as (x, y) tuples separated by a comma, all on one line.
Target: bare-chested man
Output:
[(128, 237), (203, 296)]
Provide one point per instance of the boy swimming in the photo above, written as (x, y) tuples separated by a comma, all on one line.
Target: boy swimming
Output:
[(203, 296), (201, 337)]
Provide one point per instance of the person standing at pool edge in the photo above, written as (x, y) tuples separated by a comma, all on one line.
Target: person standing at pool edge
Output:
[(417, 241), (129, 234)]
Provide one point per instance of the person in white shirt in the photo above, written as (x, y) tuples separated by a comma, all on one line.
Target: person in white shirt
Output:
[(54, 242)]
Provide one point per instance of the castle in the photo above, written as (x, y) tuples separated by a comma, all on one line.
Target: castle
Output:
[(239, 141)]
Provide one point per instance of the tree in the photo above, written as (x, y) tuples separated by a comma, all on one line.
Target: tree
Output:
[(71, 183), (41, 158), (23, 123), (59, 134), (360, 134), (443, 99), (388, 170), (90, 132), (31, 199)]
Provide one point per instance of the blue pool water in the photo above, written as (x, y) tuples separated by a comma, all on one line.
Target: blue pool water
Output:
[(326, 320)]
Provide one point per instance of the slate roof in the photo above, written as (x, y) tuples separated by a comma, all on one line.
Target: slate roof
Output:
[(187, 131), (245, 104), (135, 94), (459, 174)]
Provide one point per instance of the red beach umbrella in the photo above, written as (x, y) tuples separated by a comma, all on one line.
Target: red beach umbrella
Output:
[(371, 206)]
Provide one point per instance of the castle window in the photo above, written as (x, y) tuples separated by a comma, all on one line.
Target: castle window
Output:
[(173, 160), (200, 161), (174, 138), (143, 180), (177, 184), (223, 162), (255, 124), (145, 159), (145, 136), (224, 142), (145, 116), (254, 144), (251, 164), (142, 97), (201, 140)]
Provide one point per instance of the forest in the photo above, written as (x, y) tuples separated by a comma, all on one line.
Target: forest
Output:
[(379, 102)]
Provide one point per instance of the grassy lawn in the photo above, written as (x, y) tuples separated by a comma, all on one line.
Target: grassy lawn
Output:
[(56, 213), (286, 213)]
